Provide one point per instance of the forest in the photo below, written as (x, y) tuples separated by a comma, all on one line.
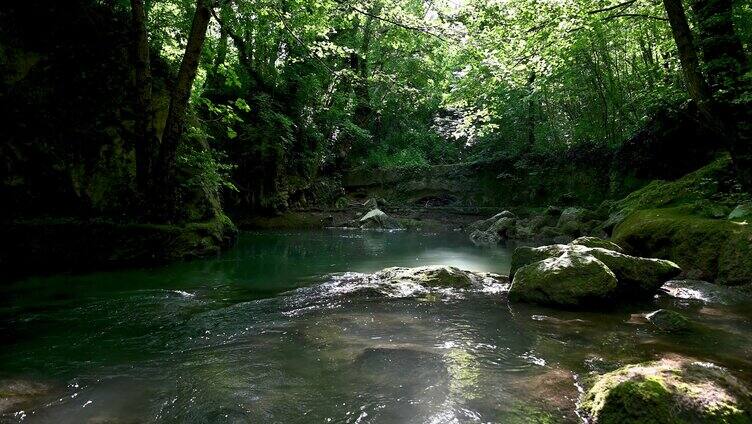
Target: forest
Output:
[(385, 211)]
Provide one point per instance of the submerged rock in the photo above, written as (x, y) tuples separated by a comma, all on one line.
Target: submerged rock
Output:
[(672, 390), (572, 279), (377, 219), (17, 393), (484, 238), (669, 321), (429, 276)]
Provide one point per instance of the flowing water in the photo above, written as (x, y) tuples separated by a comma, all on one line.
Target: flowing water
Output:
[(287, 328)]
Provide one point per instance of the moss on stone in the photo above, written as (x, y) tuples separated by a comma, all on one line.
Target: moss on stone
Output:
[(711, 249), (672, 390), (572, 280), (597, 242)]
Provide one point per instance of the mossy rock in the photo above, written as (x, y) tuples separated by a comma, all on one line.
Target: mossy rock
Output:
[(597, 242), (711, 249), (377, 219), (429, 276), (572, 279), (485, 224), (669, 321), (672, 390), (637, 277), (525, 255)]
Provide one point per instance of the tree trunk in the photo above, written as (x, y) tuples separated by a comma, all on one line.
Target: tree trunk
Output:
[(690, 63), (726, 63), (722, 50), (179, 98), (146, 139)]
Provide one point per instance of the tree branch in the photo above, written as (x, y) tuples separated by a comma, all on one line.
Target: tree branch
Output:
[(390, 21)]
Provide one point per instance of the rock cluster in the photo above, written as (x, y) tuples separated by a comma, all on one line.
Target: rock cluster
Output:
[(552, 224)]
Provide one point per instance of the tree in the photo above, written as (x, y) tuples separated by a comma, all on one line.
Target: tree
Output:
[(719, 96), (146, 138), (181, 93), (160, 175)]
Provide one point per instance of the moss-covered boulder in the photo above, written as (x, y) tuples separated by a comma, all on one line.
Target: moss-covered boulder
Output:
[(485, 224), (672, 390), (597, 242), (429, 276), (525, 255), (709, 249), (669, 321), (571, 279), (504, 227), (637, 277)]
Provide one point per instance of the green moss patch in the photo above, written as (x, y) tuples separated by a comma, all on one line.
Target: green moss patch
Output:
[(711, 249)]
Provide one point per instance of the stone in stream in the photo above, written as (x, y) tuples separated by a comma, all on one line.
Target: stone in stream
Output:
[(672, 390), (669, 321), (376, 219), (485, 224), (15, 394), (403, 365), (636, 277), (572, 279), (484, 238), (429, 276)]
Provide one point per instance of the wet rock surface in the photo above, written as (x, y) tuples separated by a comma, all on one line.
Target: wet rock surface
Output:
[(671, 390), (635, 277)]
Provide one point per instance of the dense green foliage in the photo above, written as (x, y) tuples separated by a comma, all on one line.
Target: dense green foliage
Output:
[(293, 90), (287, 94)]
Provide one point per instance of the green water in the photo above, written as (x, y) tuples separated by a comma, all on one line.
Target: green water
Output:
[(279, 330)]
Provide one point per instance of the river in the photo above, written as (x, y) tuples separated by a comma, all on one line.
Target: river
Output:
[(280, 329)]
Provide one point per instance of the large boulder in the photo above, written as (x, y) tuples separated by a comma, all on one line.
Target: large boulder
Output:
[(672, 390), (485, 224), (571, 279), (504, 227), (527, 255), (637, 277), (377, 219), (429, 276)]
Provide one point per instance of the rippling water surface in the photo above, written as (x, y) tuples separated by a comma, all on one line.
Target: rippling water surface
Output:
[(288, 328)]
